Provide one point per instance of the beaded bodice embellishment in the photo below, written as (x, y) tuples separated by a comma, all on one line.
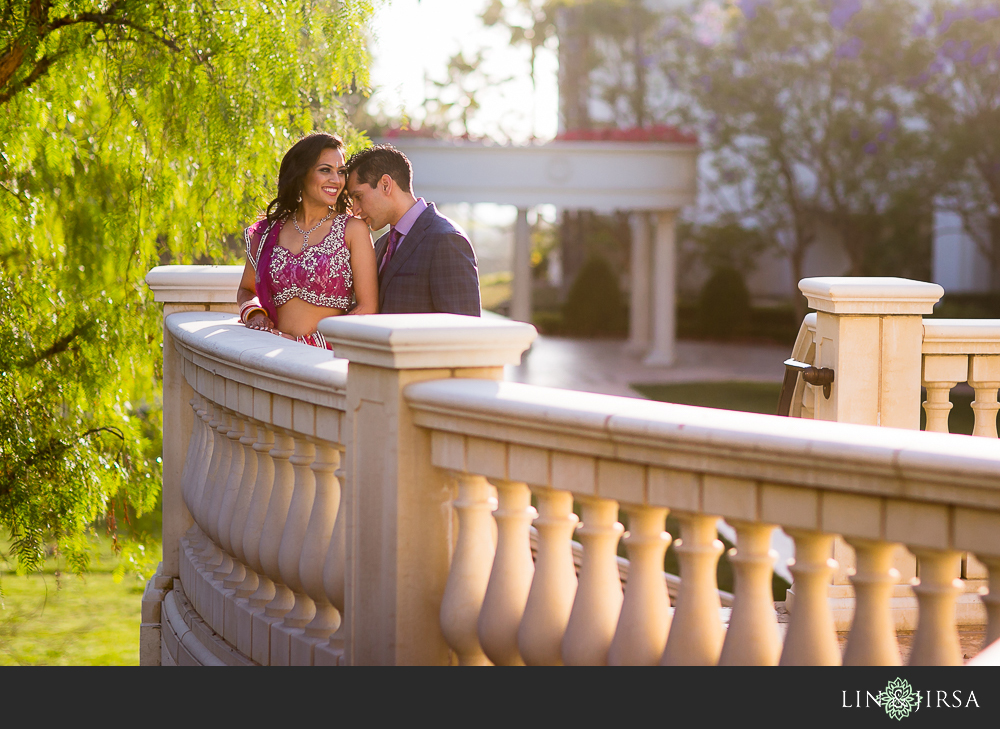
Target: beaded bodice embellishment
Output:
[(319, 274)]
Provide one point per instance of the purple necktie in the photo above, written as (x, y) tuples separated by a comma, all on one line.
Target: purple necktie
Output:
[(394, 237)]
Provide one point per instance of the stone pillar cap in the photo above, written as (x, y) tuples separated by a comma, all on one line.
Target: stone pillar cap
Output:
[(427, 341), (870, 295), (195, 284)]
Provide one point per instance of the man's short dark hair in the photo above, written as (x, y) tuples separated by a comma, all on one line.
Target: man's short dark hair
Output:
[(382, 159)]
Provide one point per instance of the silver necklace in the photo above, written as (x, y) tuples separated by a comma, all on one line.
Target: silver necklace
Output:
[(305, 233)]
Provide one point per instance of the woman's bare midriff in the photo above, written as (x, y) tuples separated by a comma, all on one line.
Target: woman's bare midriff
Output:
[(298, 317)]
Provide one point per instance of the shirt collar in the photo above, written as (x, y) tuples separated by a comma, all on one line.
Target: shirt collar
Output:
[(410, 216)]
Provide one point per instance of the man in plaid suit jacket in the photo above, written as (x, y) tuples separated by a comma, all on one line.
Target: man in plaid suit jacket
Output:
[(425, 262)]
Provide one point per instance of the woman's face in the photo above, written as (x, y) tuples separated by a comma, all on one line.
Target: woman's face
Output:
[(326, 180)]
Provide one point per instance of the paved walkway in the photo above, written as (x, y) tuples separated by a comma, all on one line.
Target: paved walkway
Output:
[(606, 366)]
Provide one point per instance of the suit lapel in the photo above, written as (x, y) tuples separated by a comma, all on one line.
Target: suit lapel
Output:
[(408, 245)]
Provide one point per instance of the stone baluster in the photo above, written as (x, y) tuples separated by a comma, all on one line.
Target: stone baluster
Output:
[(984, 377), (215, 415), (211, 606), (240, 578), (227, 504), (510, 577), (290, 552), (257, 589), (811, 639), (553, 587), (212, 555), (641, 635), (334, 569), (315, 547), (270, 545), (872, 640), (470, 570), (992, 600), (192, 487), (230, 493), (191, 460), (598, 601), (752, 638), (206, 554), (696, 631), (936, 640), (940, 373), (206, 457), (243, 501), (206, 547), (220, 482)]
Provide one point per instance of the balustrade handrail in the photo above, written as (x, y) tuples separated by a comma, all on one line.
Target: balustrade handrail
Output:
[(220, 343), (961, 336), (884, 462)]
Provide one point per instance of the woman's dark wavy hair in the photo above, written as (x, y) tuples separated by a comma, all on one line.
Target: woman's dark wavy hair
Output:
[(295, 165)]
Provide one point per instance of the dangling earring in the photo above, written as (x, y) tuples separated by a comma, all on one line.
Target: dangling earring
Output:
[(300, 197)]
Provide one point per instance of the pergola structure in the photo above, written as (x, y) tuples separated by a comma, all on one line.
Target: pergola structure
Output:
[(651, 180)]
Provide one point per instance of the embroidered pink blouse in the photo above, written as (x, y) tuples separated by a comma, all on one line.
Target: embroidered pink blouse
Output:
[(319, 274)]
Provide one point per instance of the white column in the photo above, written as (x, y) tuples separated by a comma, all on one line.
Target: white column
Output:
[(520, 295), (639, 310), (664, 319)]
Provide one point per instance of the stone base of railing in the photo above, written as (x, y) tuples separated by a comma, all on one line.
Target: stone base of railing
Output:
[(187, 639), (969, 608), (174, 634)]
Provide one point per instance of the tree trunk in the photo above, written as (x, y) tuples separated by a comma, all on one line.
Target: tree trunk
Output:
[(574, 76)]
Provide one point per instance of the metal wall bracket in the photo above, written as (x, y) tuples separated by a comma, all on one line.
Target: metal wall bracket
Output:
[(816, 376)]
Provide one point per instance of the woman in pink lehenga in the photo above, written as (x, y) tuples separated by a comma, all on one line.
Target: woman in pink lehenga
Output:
[(307, 258)]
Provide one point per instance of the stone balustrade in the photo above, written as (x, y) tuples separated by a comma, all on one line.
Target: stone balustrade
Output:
[(883, 352), (377, 508), (875, 487)]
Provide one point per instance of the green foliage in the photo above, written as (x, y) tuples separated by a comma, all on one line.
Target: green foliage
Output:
[(801, 103), (958, 97), (724, 304), (131, 134), (594, 305), (729, 245)]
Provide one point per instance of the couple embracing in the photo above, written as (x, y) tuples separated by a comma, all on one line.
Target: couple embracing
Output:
[(325, 264)]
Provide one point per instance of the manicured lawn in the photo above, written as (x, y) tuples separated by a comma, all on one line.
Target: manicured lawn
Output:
[(67, 620), (762, 397), (495, 290), (749, 397)]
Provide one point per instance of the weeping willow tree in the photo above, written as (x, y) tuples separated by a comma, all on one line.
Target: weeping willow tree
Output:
[(132, 133)]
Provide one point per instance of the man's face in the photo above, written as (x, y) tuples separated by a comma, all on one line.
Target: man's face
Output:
[(371, 204)]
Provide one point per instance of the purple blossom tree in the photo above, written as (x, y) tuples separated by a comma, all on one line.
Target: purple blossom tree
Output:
[(958, 98), (799, 102)]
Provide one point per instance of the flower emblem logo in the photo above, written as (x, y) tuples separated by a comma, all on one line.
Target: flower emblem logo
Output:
[(898, 699)]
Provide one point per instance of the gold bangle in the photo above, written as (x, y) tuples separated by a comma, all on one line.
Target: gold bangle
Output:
[(246, 316)]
